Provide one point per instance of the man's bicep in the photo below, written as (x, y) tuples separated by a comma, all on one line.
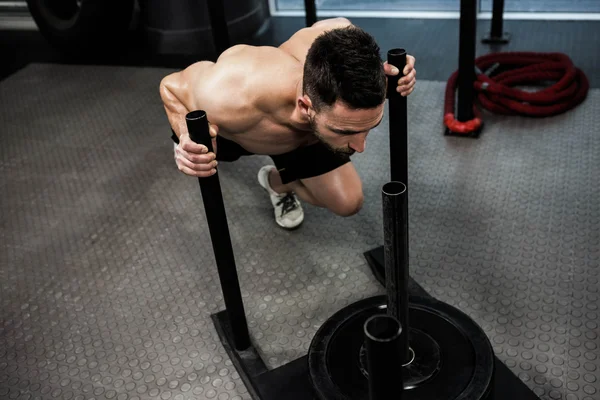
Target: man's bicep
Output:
[(183, 86), (185, 91), (199, 78)]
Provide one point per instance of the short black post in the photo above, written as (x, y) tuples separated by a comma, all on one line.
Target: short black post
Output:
[(197, 124), (497, 36), (311, 12), (398, 119), (384, 365), (395, 244), (466, 60), (218, 23)]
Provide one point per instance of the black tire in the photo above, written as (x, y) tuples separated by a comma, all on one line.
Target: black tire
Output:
[(84, 26)]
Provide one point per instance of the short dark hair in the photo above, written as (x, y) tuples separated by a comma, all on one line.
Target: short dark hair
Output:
[(345, 64)]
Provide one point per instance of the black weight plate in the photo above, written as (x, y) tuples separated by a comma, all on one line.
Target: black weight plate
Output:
[(466, 367)]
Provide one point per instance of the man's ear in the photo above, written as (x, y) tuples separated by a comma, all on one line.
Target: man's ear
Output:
[(304, 104)]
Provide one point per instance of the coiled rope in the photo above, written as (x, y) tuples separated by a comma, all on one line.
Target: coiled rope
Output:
[(496, 90)]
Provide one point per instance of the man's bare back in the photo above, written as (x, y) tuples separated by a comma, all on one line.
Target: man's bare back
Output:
[(249, 93)]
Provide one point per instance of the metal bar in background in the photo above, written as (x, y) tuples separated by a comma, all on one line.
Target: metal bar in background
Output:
[(497, 35), (218, 23), (310, 12), (466, 60), (497, 20)]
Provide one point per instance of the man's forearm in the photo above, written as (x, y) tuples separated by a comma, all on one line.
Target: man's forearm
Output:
[(177, 122), (174, 108), (177, 119)]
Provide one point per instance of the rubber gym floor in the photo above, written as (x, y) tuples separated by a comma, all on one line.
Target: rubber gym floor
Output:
[(107, 276)]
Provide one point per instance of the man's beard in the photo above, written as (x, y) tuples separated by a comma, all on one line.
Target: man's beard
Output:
[(342, 152)]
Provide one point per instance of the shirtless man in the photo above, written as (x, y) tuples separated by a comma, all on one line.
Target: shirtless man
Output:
[(308, 104)]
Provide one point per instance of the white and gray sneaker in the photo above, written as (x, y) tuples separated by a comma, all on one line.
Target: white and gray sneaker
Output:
[(288, 210)]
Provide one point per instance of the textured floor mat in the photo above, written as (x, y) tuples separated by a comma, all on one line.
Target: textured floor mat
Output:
[(107, 272)]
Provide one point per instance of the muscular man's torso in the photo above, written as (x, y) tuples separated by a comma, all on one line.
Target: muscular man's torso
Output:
[(255, 102), (252, 92)]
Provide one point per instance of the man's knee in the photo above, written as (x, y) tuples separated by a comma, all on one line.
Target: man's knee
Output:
[(346, 204)]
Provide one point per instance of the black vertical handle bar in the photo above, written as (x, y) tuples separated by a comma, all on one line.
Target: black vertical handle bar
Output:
[(398, 118), (198, 128), (218, 24)]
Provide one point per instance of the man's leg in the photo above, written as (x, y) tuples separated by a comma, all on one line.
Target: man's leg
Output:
[(339, 190), (315, 175), (286, 207)]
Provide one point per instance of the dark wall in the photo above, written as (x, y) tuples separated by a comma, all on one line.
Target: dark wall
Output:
[(183, 27)]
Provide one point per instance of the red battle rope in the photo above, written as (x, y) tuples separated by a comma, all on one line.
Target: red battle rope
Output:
[(496, 92)]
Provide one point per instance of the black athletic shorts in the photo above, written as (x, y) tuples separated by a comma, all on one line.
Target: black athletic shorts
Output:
[(304, 162)]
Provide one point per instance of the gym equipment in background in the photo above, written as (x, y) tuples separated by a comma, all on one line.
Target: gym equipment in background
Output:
[(80, 26), (492, 78), (497, 35), (201, 28), (310, 11)]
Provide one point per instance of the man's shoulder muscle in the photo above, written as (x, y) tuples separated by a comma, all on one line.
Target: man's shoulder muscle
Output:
[(242, 78)]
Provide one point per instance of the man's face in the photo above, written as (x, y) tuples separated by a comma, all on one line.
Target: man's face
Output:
[(344, 129)]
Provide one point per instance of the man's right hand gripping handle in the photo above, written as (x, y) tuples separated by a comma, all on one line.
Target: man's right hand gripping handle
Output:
[(197, 157)]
